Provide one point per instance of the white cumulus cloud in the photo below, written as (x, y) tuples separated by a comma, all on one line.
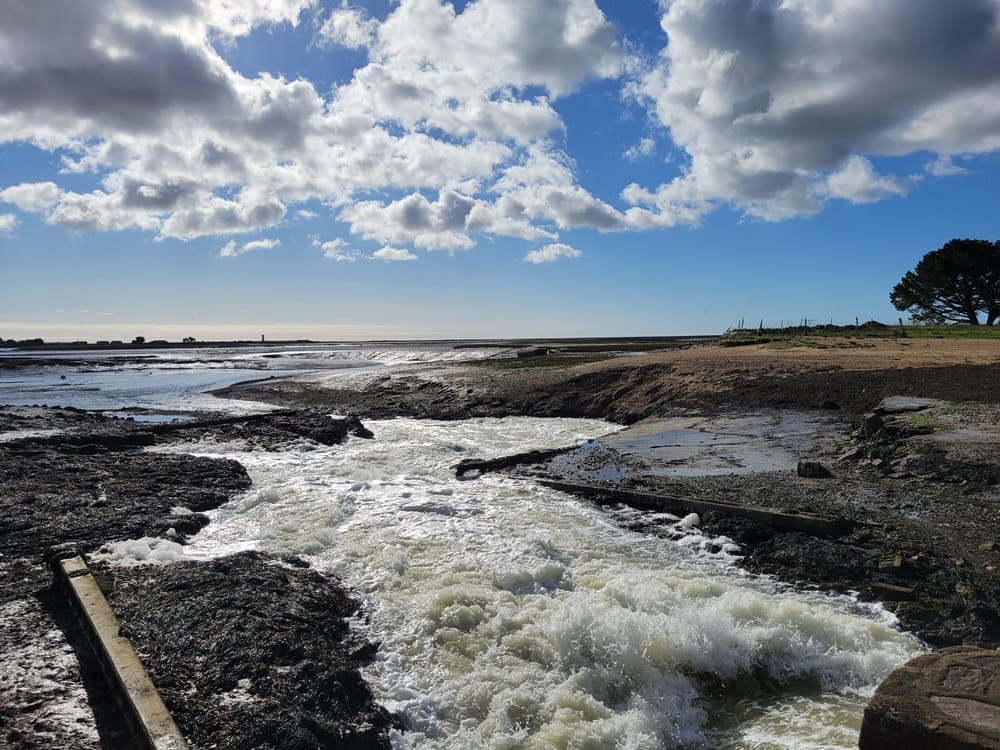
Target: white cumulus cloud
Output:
[(139, 96), (231, 249), (449, 130), (348, 27), (645, 147), (337, 249), (7, 223), (390, 254), (32, 196), (774, 101), (945, 166), (858, 182), (552, 252)]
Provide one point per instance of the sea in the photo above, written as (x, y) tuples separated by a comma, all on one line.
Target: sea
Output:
[(509, 615)]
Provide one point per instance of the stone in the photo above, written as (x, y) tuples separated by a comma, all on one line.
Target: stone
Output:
[(902, 404), (889, 592), (871, 423), (892, 562), (812, 470), (948, 700)]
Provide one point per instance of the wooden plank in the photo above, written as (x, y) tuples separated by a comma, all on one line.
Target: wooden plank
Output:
[(779, 519)]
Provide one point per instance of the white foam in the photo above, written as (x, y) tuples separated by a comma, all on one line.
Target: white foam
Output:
[(512, 615), (6, 437), (147, 550)]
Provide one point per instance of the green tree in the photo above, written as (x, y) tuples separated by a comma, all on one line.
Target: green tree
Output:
[(953, 284)]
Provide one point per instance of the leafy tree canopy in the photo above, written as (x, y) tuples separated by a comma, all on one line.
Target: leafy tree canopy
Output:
[(953, 284)]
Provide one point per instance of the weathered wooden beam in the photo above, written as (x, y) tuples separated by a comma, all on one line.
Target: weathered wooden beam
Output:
[(779, 519)]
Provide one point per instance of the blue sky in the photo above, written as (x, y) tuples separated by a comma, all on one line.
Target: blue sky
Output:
[(484, 169)]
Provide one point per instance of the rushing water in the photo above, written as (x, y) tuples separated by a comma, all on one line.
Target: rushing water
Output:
[(514, 616)]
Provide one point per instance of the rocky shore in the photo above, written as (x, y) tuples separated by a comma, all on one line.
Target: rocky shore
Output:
[(915, 487), (919, 485), (248, 650)]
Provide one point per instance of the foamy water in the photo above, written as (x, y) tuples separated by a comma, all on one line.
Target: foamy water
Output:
[(515, 616)]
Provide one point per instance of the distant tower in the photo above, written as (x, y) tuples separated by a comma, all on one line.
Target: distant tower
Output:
[(262, 338)]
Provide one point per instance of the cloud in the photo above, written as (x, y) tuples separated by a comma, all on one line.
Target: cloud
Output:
[(32, 196), (338, 250), (858, 182), (552, 252), (645, 147), (7, 223), (389, 254), (945, 166), (214, 215), (440, 225), (772, 101), (348, 27), (231, 249), (449, 129), (86, 312), (177, 142)]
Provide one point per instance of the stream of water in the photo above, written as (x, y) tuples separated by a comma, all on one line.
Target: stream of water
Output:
[(512, 616)]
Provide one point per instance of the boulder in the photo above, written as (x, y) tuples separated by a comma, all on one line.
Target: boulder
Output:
[(902, 404), (812, 470), (948, 700), (871, 423)]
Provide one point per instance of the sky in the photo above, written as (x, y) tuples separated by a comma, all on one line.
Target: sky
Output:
[(383, 169)]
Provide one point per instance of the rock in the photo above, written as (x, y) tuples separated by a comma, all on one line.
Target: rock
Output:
[(901, 404), (476, 466), (893, 562), (273, 431), (871, 423), (536, 351), (830, 405), (889, 592), (813, 470), (988, 546), (949, 700), (254, 624), (852, 454)]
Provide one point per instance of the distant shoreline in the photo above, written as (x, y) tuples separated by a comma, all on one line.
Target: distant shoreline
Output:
[(455, 343)]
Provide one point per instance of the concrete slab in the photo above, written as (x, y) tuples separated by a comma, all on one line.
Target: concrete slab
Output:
[(153, 726), (715, 445)]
